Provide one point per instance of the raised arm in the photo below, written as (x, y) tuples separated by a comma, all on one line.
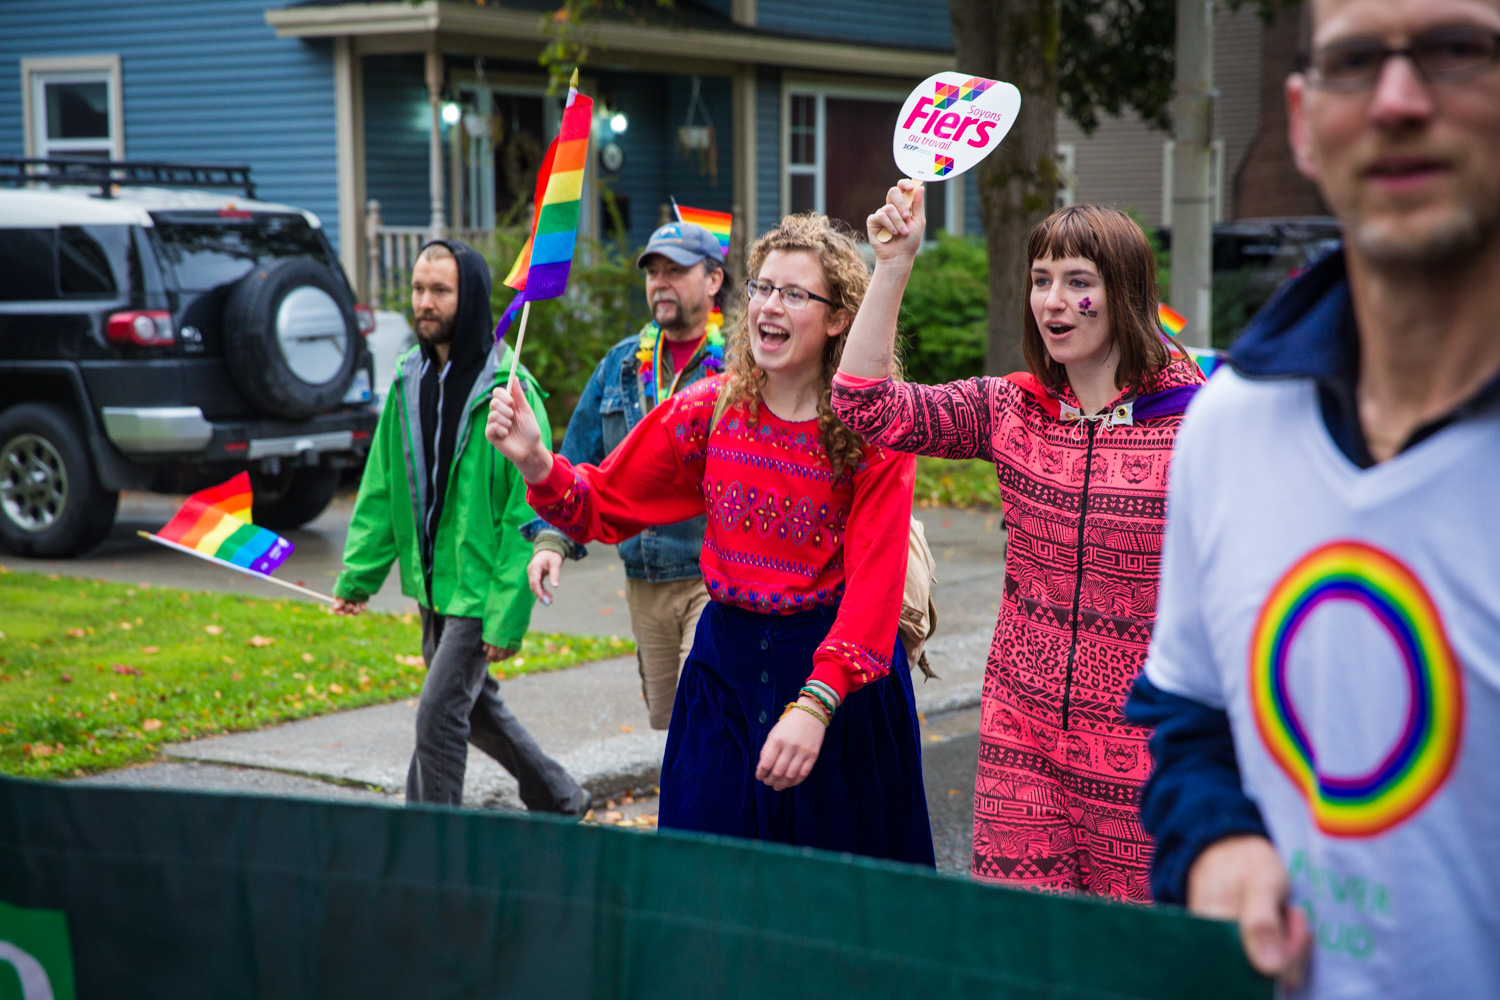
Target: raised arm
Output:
[(653, 477), (947, 421)]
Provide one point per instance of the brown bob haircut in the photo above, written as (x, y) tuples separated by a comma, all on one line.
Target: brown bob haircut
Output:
[(1112, 241)]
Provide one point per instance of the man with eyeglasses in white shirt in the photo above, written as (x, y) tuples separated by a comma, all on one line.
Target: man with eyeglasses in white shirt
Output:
[(1324, 676)]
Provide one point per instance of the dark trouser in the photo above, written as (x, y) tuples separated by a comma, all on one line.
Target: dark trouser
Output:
[(461, 704)]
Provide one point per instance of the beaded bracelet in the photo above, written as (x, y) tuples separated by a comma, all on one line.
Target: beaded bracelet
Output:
[(820, 697), (809, 710)]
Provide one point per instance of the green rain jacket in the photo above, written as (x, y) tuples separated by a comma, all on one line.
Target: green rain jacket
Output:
[(479, 555)]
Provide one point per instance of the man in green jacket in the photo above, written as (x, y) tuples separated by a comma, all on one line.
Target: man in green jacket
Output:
[(448, 509)]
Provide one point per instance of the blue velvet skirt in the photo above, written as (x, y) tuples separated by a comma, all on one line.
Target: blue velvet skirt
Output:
[(865, 792)]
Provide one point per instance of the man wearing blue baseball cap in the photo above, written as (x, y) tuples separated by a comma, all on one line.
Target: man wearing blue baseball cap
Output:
[(683, 343)]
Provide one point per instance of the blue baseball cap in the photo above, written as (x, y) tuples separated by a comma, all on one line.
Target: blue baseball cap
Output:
[(683, 243)]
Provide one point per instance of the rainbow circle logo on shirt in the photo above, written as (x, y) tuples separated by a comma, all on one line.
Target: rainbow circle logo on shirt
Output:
[(1422, 757)]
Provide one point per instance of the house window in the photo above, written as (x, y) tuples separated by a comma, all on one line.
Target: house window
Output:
[(1067, 174), (838, 156), (73, 107)]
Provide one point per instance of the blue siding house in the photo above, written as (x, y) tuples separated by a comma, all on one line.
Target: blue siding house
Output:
[(392, 119)]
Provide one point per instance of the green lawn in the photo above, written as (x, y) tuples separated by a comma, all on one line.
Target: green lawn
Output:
[(941, 483), (97, 675)]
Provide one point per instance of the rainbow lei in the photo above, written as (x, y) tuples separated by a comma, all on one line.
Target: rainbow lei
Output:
[(713, 353)]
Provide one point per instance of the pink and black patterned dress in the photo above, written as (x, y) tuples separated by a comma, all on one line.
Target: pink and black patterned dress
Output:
[(1060, 770)]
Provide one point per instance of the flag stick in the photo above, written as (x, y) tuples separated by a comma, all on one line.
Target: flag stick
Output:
[(515, 361), (884, 236), (238, 569)]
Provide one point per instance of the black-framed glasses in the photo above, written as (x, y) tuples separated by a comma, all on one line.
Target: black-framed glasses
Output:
[(1443, 55), (791, 295)]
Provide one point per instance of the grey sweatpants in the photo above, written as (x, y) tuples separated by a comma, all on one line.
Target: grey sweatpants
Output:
[(461, 704)]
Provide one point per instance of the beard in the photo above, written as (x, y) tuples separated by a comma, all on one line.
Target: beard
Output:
[(1446, 241), (679, 319), (441, 330)]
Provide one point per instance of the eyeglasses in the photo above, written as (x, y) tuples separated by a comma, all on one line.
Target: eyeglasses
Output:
[(791, 296), (1445, 55)]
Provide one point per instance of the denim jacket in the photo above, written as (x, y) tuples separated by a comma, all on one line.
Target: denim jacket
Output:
[(611, 405)]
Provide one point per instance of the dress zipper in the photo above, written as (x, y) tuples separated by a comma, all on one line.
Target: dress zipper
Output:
[(1083, 510)]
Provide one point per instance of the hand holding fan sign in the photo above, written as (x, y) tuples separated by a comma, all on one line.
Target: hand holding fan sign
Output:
[(948, 124)]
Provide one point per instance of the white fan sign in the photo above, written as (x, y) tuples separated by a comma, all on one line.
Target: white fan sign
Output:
[(951, 122)]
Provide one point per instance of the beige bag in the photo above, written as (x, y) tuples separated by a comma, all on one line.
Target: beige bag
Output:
[(918, 613)]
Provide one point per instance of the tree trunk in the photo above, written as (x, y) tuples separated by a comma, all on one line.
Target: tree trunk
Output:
[(1014, 41)]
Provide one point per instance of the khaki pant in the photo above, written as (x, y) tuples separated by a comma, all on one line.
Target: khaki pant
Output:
[(664, 617)]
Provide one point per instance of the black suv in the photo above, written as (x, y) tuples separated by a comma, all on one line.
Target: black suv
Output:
[(158, 335)]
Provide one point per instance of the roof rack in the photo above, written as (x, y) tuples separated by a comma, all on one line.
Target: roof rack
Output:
[(108, 173)]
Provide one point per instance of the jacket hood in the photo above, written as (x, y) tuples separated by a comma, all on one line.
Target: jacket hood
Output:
[(1290, 336), (474, 324)]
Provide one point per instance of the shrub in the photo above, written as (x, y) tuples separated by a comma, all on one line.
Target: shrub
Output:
[(944, 312)]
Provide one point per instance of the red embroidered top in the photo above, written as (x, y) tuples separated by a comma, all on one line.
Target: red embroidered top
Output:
[(784, 533)]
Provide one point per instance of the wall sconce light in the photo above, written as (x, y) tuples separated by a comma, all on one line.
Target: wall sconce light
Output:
[(452, 113), (618, 123)]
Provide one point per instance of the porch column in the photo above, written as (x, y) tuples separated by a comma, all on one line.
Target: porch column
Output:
[(744, 153), (437, 224), (349, 141)]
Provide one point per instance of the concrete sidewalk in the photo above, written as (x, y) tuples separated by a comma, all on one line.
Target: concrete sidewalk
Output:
[(591, 718)]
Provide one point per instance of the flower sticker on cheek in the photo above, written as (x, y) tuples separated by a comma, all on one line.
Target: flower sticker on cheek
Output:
[(1083, 307)]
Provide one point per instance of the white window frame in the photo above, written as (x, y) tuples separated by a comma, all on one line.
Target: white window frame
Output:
[(1216, 178), (953, 213), (37, 73)]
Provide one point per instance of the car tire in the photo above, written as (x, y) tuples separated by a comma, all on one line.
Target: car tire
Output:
[(291, 338), (292, 497), (51, 503)]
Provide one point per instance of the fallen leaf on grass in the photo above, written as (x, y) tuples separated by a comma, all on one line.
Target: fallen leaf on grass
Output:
[(66, 678), (125, 670), (335, 689), (410, 661), (259, 641), (151, 725), (126, 626), (214, 629), (77, 633), (150, 649), (236, 676), (227, 659), (307, 657)]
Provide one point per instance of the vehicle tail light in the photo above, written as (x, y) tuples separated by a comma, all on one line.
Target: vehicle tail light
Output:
[(364, 316), (141, 329)]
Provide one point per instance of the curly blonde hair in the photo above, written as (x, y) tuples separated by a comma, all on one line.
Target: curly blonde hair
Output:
[(831, 242)]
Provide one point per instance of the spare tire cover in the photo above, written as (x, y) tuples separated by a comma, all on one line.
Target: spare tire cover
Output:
[(290, 338)]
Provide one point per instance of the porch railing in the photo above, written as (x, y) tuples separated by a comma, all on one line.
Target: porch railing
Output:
[(391, 250)]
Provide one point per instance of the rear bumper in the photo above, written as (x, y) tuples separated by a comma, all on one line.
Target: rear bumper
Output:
[(183, 433)]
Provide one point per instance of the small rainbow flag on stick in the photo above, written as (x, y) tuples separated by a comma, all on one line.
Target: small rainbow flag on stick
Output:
[(214, 524), (721, 224), (1170, 319), (541, 269)]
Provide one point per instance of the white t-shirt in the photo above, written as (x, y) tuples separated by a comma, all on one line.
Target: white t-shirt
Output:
[(1348, 621)]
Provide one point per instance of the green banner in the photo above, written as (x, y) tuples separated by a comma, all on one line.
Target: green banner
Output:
[(170, 894)]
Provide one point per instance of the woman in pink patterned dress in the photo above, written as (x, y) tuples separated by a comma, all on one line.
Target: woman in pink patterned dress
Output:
[(1080, 443)]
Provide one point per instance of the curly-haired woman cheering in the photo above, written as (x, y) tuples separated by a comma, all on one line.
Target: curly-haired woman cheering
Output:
[(1080, 443), (794, 719)]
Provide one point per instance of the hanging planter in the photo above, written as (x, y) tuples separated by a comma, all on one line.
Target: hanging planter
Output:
[(698, 140)]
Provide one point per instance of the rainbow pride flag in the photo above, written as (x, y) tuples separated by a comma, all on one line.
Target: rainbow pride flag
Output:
[(1170, 319), (718, 223), (216, 523), (541, 269)]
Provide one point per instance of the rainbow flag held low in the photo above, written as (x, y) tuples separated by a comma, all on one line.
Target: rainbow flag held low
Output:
[(1173, 322), (216, 523), (1170, 319), (541, 268), (719, 223)]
